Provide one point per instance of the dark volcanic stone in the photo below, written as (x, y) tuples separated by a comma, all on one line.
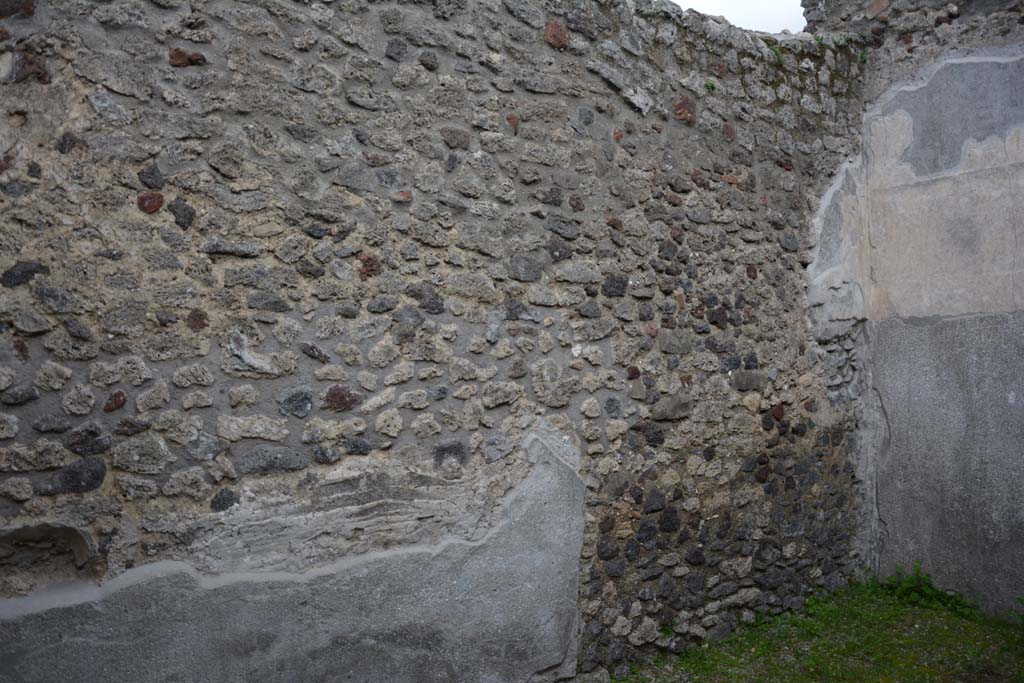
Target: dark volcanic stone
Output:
[(316, 231), (51, 424), (652, 434), (79, 477), (22, 272), (456, 138), (268, 301), (668, 522), (427, 297), (695, 556), (382, 304), (450, 450), (130, 426), (88, 439), (563, 227), (19, 395), (607, 549), (396, 49), (326, 455), (357, 445), (559, 250), (349, 310), (151, 177), (296, 401), (429, 61), (66, 143), (748, 380), (220, 247), (615, 568), (654, 501), (224, 499), (525, 268), (183, 214), (263, 459), (589, 309), (315, 352), (615, 286), (78, 330)]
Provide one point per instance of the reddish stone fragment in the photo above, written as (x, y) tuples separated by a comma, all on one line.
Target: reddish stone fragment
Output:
[(315, 352), (617, 134), (179, 58), (751, 271), (614, 222), (369, 266), (197, 320), (513, 121), (778, 411), (341, 398), (632, 372), (729, 132), (4, 34), (30, 65), (21, 348), (150, 202), (875, 8), (401, 196), (556, 34), (730, 179), (811, 405), (22, 8), (116, 401), (685, 109)]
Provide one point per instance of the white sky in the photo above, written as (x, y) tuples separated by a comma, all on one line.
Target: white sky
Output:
[(761, 15)]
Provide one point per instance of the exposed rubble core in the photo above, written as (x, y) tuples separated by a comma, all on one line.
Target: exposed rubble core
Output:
[(291, 285)]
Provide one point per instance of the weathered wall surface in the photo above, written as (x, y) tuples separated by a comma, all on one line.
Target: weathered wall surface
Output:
[(293, 292), (500, 609), (920, 239), (287, 286)]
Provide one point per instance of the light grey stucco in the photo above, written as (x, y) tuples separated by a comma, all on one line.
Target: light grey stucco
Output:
[(501, 610), (918, 279), (951, 475)]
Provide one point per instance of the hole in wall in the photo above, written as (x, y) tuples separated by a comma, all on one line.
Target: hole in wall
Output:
[(34, 555), (757, 15)]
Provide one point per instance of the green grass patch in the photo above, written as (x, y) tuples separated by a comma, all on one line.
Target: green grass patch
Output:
[(899, 631)]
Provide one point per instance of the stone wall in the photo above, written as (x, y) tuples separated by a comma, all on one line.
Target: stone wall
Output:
[(459, 340)]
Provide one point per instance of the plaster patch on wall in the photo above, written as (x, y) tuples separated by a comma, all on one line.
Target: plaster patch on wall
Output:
[(501, 608)]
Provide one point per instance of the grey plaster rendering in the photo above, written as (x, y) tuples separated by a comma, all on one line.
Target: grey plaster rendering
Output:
[(501, 610), (951, 467), (916, 288), (963, 100)]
